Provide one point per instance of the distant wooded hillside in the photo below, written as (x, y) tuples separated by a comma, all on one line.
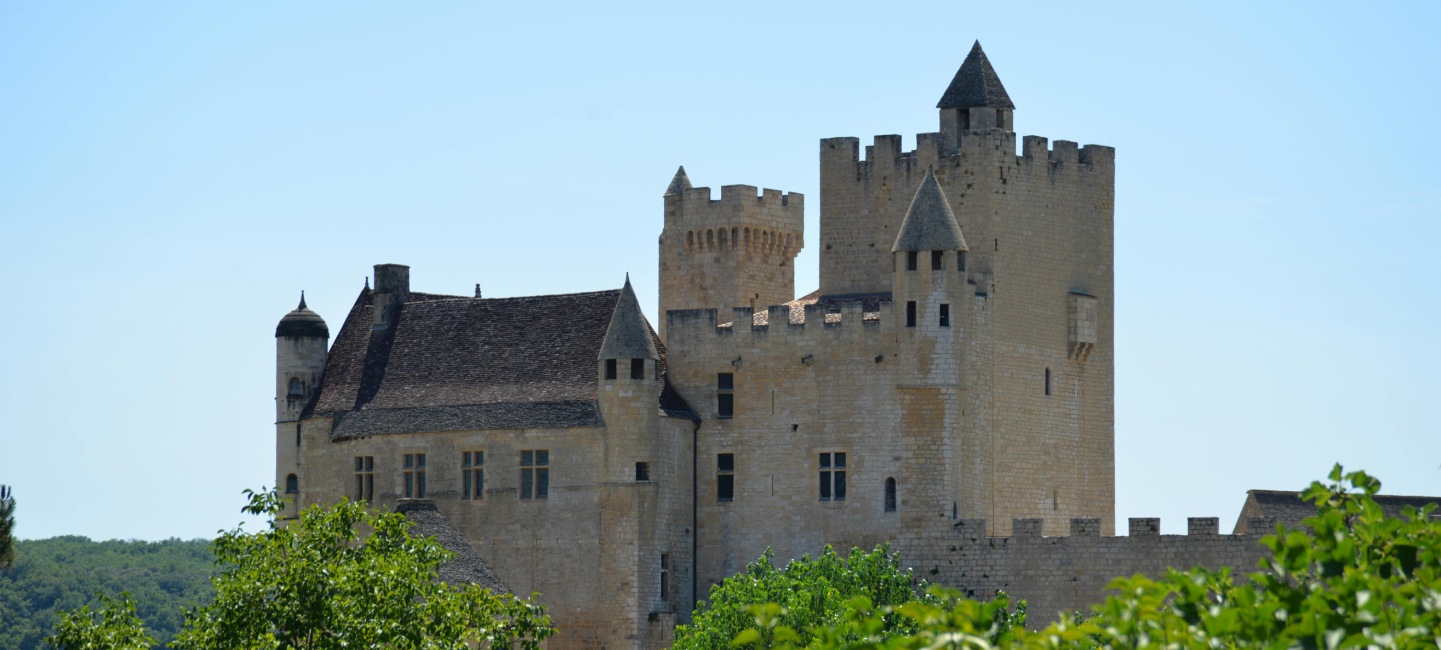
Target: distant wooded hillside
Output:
[(64, 573)]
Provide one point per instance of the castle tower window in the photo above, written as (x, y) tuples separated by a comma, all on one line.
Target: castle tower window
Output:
[(945, 315), (364, 478), (725, 397), (910, 313), (961, 261), (610, 368), (725, 479), (292, 484), (1048, 381), (413, 475), (937, 260), (534, 474), (833, 476), (642, 472), (472, 474), (912, 258), (965, 116), (295, 389), (637, 368), (890, 503), (665, 577)]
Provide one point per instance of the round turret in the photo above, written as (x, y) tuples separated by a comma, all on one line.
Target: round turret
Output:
[(302, 322)]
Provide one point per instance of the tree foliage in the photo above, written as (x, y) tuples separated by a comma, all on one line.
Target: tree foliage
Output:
[(1352, 578), (803, 596), (7, 527), (54, 575), (114, 627)]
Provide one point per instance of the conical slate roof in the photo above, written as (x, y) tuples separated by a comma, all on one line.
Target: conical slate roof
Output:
[(627, 337), (679, 184), (302, 322), (930, 225), (976, 85)]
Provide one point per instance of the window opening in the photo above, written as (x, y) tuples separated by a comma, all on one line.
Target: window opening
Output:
[(642, 471), (637, 368), (910, 313), (890, 495), (937, 260), (665, 576), (292, 484), (725, 397), (413, 470), (294, 390), (472, 475), (534, 474), (961, 261), (364, 478), (1048, 381), (610, 368), (833, 476), (945, 315), (725, 480), (965, 119), (911, 258)]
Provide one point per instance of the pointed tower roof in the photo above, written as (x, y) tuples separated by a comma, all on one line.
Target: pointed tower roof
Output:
[(930, 225), (627, 337), (302, 322), (976, 85), (679, 184)]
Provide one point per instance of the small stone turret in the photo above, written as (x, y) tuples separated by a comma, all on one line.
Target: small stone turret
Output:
[(392, 289), (975, 101), (627, 342), (629, 390), (301, 340), (930, 276)]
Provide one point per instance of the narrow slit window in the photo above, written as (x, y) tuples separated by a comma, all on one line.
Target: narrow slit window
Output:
[(961, 261), (665, 577), (1048, 381), (911, 260), (637, 368), (890, 502), (910, 313), (725, 480), (938, 260), (610, 368), (945, 315), (725, 395)]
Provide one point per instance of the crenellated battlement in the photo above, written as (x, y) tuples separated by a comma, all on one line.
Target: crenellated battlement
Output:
[(1199, 527), (783, 324), (885, 153), (770, 221)]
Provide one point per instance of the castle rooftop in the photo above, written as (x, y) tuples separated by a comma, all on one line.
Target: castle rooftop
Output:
[(302, 322), (930, 224), (976, 84)]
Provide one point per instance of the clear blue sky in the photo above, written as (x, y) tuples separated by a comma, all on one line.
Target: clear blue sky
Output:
[(172, 175)]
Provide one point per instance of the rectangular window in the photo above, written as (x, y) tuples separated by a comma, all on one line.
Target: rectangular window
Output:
[(364, 478), (637, 368), (937, 258), (472, 475), (911, 259), (725, 398), (910, 313), (610, 368), (665, 576), (642, 471), (413, 471), (833, 476), (725, 480), (534, 474), (945, 315), (961, 261)]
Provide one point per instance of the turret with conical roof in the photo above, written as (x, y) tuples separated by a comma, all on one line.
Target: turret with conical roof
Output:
[(301, 340), (976, 100), (627, 337), (930, 271), (930, 225)]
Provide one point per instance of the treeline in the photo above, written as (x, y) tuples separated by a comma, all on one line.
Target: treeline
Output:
[(63, 573)]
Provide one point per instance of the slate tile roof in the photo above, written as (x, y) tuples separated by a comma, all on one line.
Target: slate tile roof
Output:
[(976, 84), (460, 363), (466, 565), (1290, 509)]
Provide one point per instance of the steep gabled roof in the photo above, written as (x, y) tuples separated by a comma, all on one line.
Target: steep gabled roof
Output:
[(628, 336), (454, 363), (976, 85), (930, 225), (466, 565)]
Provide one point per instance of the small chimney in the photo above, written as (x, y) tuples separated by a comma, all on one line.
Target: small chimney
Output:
[(392, 289)]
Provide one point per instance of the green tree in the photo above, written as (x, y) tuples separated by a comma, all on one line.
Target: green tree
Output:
[(1352, 578), (7, 527), (116, 628), (804, 595)]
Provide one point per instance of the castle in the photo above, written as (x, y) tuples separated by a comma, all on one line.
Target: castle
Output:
[(949, 389)]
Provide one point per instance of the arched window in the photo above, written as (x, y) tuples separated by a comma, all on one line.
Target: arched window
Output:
[(292, 484), (295, 389), (890, 495)]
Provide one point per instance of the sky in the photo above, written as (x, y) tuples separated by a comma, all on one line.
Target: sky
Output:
[(173, 175)]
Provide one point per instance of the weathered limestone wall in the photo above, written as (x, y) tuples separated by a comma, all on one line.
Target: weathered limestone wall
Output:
[(735, 252), (1063, 574)]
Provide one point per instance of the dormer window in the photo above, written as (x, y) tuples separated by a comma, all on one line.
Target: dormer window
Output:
[(295, 389), (637, 368), (911, 259)]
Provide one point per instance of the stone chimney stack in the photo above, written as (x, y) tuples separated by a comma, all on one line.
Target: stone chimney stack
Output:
[(392, 289)]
